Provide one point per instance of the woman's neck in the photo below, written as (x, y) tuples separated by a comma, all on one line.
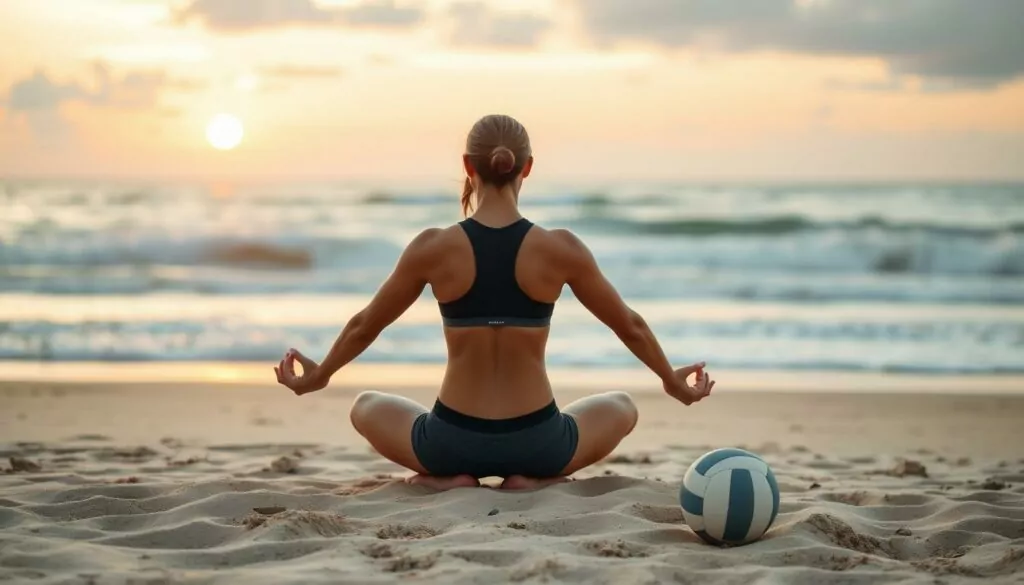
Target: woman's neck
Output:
[(497, 206)]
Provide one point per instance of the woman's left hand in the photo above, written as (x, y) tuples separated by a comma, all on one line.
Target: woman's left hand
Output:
[(311, 378)]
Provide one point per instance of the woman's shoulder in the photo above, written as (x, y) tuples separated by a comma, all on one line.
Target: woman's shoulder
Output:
[(432, 234), (560, 238), (559, 245), (435, 240)]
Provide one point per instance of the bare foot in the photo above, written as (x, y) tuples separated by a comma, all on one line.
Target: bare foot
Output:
[(443, 483), (519, 482)]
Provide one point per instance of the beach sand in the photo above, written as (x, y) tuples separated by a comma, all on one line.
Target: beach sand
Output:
[(195, 482)]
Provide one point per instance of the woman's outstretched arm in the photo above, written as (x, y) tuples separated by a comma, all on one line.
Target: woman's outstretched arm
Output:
[(597, 294), (393, 298)]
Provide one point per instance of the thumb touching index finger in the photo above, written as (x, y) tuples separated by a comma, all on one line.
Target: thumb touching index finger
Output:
[(687, 370), (298, 355)]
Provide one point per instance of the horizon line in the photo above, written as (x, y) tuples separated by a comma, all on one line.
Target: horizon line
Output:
[(439, 181)]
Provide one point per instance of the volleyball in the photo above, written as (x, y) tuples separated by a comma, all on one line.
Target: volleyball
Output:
[(729, 497)]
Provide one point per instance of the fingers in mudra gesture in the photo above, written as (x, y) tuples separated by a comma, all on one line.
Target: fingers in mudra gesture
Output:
[(680, 387), (308, 381)]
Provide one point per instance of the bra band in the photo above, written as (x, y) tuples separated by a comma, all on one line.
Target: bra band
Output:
[(497, 322)]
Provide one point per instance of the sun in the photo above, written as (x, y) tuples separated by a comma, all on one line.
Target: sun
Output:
[(224, 132)]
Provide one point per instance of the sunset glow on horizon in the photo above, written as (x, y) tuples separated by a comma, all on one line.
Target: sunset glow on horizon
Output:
[(662, 90)]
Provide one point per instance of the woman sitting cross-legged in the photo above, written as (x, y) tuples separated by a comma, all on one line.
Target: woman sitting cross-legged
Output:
[(496, 277)]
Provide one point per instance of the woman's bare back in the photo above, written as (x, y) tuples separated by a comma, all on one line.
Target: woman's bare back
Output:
[(497, 372)]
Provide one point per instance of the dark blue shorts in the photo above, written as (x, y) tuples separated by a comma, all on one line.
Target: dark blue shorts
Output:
[(537, 445)]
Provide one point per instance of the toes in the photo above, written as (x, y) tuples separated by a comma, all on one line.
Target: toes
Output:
[(515, 482), (464, 481), (443, 483)]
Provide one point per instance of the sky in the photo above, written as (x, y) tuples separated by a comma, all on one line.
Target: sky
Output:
[(608, 90)]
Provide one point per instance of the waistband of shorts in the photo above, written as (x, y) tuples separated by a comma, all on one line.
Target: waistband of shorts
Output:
[(489, 425)]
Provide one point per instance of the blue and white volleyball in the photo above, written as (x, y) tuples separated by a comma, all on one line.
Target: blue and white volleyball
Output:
[(729, 496)]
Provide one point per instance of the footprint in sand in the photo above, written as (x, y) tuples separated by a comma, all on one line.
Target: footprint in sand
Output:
[(297, 524), (378, 550), (405, 532), (629, 459), (542, 570), (903, 468), (617, 549), (491, 558), (658, 514), (406, 562), (842, 534), (361, 486), (20, 464), (185, 462), (138, 454), (283, 465)]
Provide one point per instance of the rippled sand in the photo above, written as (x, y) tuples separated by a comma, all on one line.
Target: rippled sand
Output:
[(223, 506)]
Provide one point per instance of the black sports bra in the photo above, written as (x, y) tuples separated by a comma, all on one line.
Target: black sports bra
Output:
[(495, 298)]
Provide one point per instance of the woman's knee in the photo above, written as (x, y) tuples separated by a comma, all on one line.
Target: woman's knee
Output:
[(626, 408), (362, 406)]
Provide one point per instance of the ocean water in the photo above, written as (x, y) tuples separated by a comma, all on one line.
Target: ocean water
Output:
[(925, 278)]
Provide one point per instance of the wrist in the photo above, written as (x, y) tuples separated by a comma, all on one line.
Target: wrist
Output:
[(669, 383), (320, 376), (667, 375)]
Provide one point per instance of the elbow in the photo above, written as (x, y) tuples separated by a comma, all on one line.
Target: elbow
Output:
[(634, 327), (360, 329)]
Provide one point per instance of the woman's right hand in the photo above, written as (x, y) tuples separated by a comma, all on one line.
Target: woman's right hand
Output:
[(679, 387)]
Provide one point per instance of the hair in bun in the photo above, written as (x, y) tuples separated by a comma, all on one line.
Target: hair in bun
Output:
[(498, 147), (503, 160)]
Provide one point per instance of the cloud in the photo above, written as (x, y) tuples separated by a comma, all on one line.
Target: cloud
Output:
[(39, 92), (949, 43), (475, 24), (138, 89), (241, 15), (38, 98), (134, 89), (301, 72), (381, 13)]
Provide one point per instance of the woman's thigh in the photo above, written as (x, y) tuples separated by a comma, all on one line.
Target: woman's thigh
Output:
[(386, 421), (603, 421)]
